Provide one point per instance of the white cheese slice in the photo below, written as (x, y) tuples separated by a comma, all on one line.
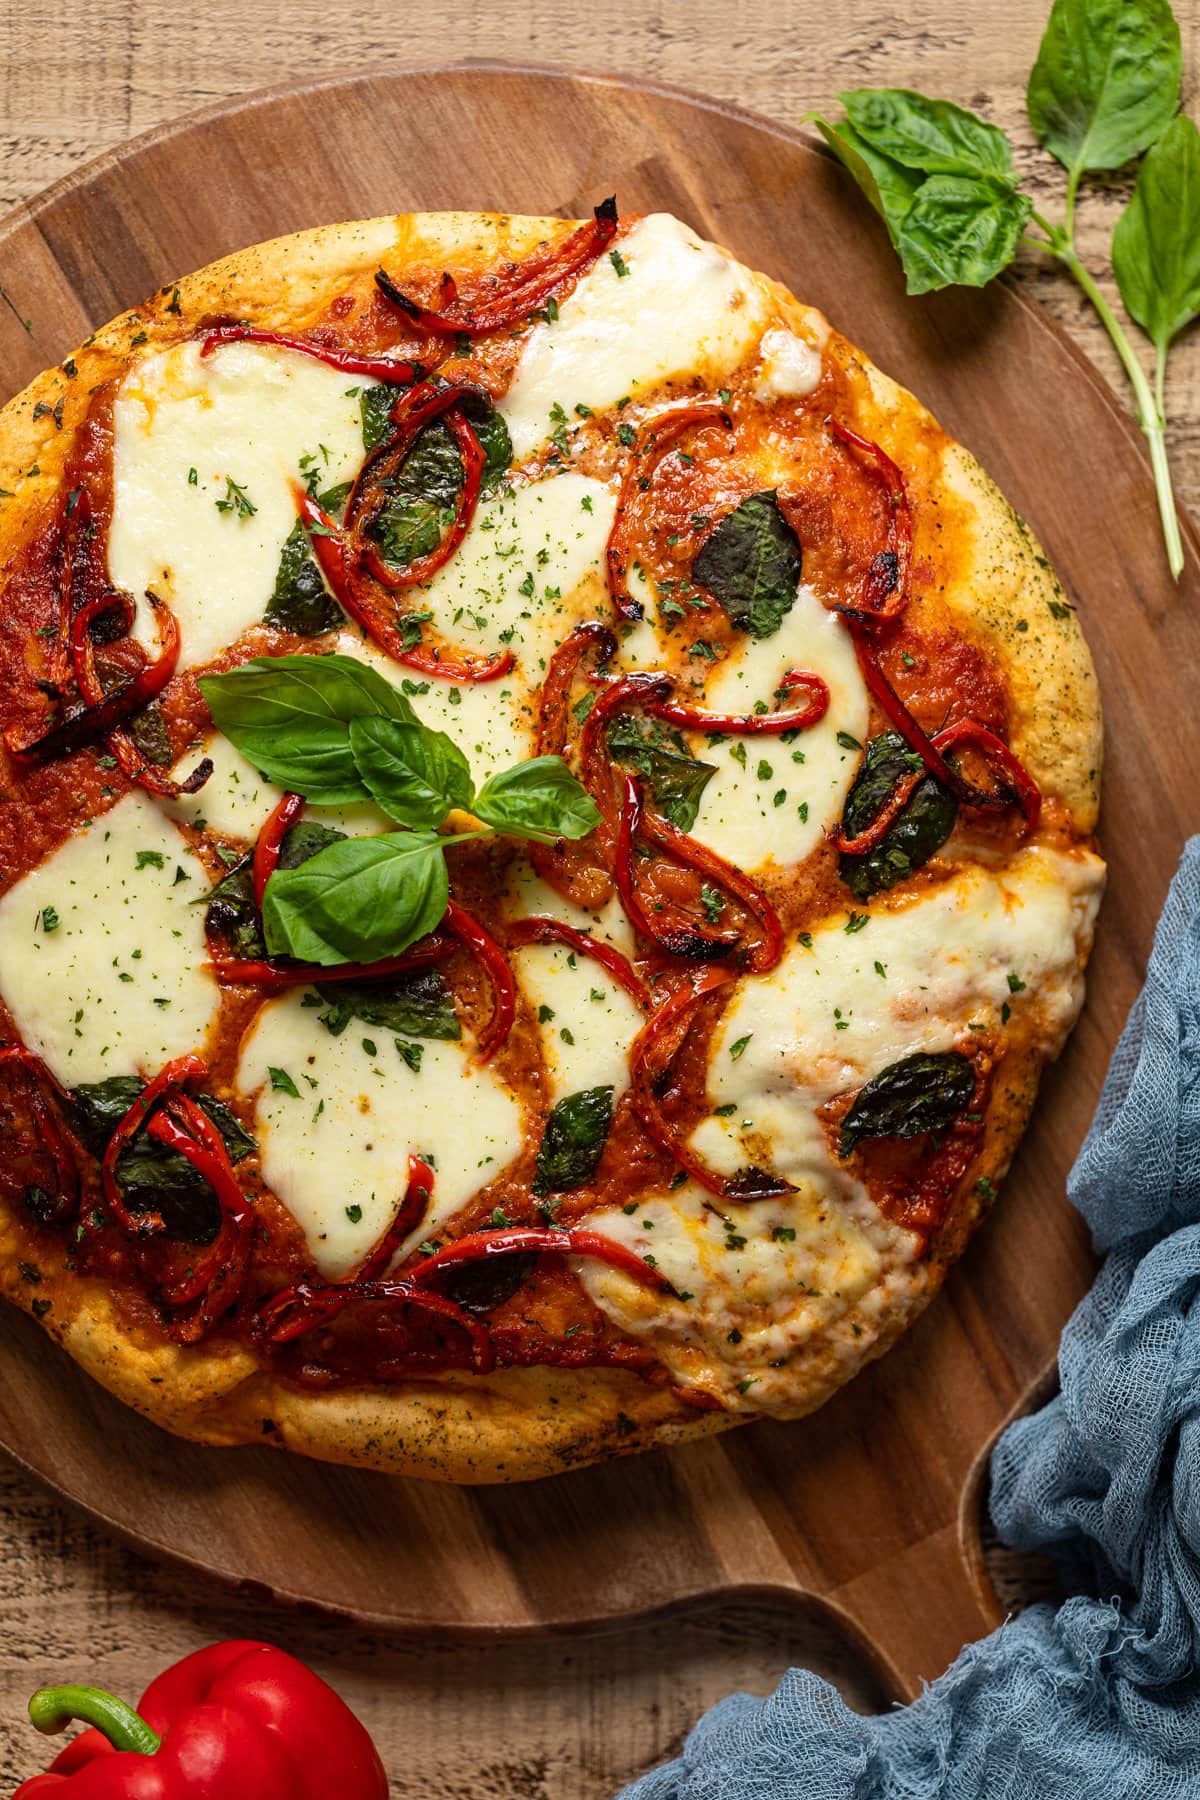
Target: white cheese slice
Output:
[(587, 1020), (914, 978), (117, 986), (771, 801), (758, 1284), (338, 1155), (683, 308), (791, 367), (184, 427)]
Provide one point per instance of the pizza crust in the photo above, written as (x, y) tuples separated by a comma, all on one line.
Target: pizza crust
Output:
[(520, 1424)]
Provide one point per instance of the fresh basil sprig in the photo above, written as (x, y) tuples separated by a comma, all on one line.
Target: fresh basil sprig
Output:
[(1103, 91), (334, 730)]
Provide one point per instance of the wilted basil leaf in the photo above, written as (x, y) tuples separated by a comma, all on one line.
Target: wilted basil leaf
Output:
[(423, 494), (415, 774), (152, 1176), (960, 232), (300, 601), (540, 799), (675, 778), (1156, 245), (751, 565), (573, 1142), (148, 729), (374, 404), (359, 900), (921, 827), (289, 716), (1106, 80), (917, 1094), (417, 1003), (484, 1285), (934, 137)]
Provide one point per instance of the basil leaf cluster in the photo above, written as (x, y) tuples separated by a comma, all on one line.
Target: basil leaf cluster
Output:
[(333, 729), (1103, 92)]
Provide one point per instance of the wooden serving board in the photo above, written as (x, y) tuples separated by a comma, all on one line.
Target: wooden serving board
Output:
[(867, 1511)]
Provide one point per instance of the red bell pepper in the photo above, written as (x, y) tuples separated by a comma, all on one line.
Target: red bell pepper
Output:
[(238, 1721)]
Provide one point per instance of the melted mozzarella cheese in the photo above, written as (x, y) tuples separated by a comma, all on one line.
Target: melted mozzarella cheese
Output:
[(791, 367), (116, 986), (912, 979), (772, 801), (337, 1156), (587, 1021), (755, 1285), (683, 308), (184, 427)]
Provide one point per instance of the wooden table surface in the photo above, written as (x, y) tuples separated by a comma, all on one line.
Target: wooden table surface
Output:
[(568, 1718)]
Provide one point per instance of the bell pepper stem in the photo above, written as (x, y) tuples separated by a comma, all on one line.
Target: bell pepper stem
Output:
[(52, 1709)]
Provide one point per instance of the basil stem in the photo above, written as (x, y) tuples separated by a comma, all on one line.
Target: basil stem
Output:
[(1060, 243)]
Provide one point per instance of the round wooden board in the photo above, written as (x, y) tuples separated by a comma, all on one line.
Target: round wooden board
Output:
[(868, 1509)]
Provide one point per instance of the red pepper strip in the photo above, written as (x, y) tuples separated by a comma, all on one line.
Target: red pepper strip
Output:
[(1025, 790), (653, 1050), (174, 1075), (354, 362), (654, 439), (267, 974), (270, 842), (693, 718), (540, 277), (132, 762), (884, 819), (522, 1239), (235, 1721), (884, 591), (54, 1133), (329, 548), (465, 926), (695, 855), (425, 567), (300, 1309), (555, 699), (1013, 772), (185, 1127), (411, 1211), (543, 930), (672, 930), (642, 688)]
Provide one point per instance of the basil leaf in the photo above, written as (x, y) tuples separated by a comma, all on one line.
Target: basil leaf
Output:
[(232, 911), (921, 827), (917, 1094), (482, 1286), (1156, 245), (374, 405), (960, 232), (423, 493), (751, 565), (415, 774), (300, 601), (1106, 80), (289, 715), (889, 186), (148, 729), (150, 1174), (416, 1003), (358, 900), (573, 1141), (675, 778), (541, 800), (934, 137)]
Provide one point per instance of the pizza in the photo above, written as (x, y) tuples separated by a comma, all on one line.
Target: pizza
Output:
[(548, 834)]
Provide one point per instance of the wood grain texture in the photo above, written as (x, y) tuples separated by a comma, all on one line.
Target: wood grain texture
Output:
[(536, 1719)]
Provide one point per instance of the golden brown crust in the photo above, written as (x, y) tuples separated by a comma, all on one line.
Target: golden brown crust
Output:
[(519, 1424)]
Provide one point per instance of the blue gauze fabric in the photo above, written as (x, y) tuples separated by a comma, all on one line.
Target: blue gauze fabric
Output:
[(1099, 1697)]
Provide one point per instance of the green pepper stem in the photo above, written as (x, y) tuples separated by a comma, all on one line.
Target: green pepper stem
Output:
[(53, 1708)]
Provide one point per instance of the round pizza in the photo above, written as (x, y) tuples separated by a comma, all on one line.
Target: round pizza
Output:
[(548, 834)]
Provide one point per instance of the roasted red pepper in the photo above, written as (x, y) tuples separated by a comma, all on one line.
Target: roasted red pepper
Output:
[(654, 439), (238, 1721), (351, 362)]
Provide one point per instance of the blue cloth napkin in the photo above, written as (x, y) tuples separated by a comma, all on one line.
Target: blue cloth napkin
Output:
[(1099, 1697)]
